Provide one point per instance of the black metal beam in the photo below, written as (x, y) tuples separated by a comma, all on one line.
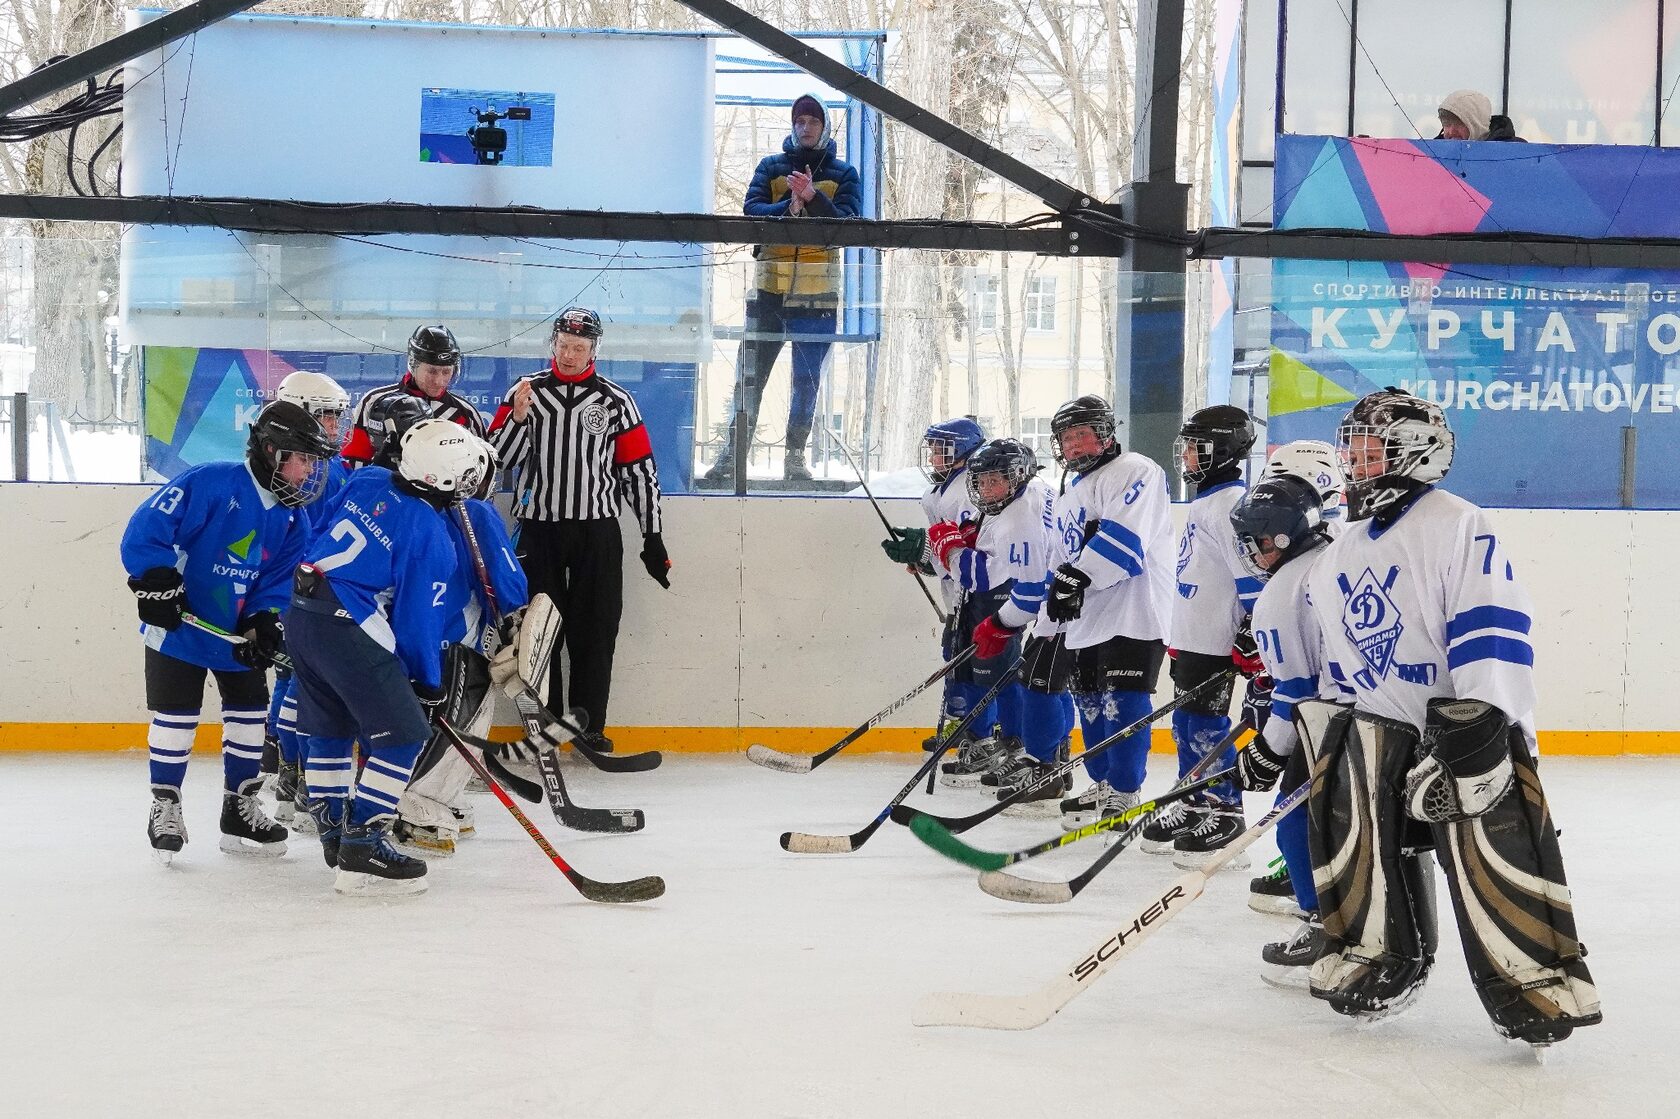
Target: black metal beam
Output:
[(112, 53), (1057, 194), (1519, 249), (274, 216)]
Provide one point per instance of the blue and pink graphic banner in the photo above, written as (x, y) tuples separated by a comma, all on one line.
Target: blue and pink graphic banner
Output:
[(1542, 371), (199, 403)]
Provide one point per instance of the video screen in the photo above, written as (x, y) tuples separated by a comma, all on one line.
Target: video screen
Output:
[(487, 127)]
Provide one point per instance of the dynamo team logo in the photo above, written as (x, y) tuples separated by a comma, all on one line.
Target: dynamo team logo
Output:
[(1371, 620)]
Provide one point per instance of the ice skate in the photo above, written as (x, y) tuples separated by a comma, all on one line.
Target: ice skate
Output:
[(166, 828), (1176, 819), (246, 828), (1287, 964), (1218, 827), (369, 866), (1273, 892)]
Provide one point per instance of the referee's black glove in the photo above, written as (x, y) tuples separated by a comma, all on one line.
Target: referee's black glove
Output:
[(658, 564)]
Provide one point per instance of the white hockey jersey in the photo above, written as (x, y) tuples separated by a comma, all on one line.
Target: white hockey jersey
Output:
[(1215, 588), (1291, 645), (1113, 524), (949, 501), (1011, 546), (1428, 608)]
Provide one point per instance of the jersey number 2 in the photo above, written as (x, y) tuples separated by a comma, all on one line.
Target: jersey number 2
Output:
[(343, 530)]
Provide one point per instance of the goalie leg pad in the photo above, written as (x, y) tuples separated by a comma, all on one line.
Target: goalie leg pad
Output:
[(1515, 916), (1375, 895)]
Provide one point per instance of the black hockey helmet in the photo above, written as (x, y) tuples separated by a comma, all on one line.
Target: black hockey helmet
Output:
[(949, 442), (1011, 458), (1285, 514), (283, 433), (578, 320), (1392, 444), (433, 345), (387, 419), (1087, 411), (1221, 437)]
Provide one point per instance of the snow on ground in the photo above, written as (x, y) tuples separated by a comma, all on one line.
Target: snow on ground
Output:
[(762, 984)]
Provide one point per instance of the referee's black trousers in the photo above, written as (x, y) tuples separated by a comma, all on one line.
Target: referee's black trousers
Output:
[(580, 565)]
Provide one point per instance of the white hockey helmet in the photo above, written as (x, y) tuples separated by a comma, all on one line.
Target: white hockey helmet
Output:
[(443, 460), (1314, 462), (315, 391)]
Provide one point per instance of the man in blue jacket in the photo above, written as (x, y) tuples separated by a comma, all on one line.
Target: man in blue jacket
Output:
[(796, 288)]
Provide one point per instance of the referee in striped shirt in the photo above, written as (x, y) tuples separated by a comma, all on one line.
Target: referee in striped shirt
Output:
[(581, 450), (434, 358)]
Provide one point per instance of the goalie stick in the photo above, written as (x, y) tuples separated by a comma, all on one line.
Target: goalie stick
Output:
[(796, 763), (963, 823), (888, 525), (804, 843), (1003, 1012), (566, 811), (533, 713), (1010, 888), (637, 889)]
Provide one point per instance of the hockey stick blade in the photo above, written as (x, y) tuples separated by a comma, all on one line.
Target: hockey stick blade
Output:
[(576, 817), (618, 893), (519, 786), (1001, 884), (532, 709), (802, 843), (993, 1012), (775, 759)]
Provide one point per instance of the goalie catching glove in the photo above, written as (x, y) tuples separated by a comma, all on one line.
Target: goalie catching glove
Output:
[(1466, 768)]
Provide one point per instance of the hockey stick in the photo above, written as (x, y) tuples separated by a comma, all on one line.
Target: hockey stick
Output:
[(963, 823), (1010, 888), (995, 1012), (637, 889), (531, 706), (796, 763), (888, 525), (935, 835), (568, 812), (803, 843), (279, 659), (565, 810)]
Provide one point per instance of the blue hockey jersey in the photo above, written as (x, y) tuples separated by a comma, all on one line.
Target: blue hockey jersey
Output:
[(464, 602), (234, 545), (390, 558)]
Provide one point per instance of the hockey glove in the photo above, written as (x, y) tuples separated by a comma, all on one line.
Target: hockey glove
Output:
[(991, 638), (1067, 593), (160, 596), (263, 635), (654, 558), (905, 545), (431, 702), (1257, 701), (1258, 768), (1244, 653), (507, 630), (946, 537), (1467, 765)]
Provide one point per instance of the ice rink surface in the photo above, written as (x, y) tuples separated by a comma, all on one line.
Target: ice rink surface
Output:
[(763, 983)]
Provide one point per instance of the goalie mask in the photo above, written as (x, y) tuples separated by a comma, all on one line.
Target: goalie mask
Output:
[(287, 452), (1392, 444), (1276, 521), (1213, 440), (947, 445), (998, 472)]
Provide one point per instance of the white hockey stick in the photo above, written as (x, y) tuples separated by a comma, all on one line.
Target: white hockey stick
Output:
[(1024, 1012)]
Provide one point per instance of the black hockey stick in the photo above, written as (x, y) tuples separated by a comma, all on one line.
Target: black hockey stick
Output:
[(936, 835), (637, 889), (963, 823), (531, 706), (567, 812), (888, 525), (806, 844), (797, 763)]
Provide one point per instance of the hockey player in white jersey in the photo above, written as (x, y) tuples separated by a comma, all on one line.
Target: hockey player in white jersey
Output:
[(1005, 573), (1215, 592), (1280, 531), (1424, 620), (1111, 584)]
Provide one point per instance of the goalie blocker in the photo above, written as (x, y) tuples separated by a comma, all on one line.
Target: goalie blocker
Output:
[(1504, 872)]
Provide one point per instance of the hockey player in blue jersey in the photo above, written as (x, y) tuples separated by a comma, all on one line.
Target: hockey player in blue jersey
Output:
[(1280, 530), (219, 541), (1425, 623), (1010, 555), (1111, 583), (367, 626), (1215, 593), (323, 398), (433, 814)]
